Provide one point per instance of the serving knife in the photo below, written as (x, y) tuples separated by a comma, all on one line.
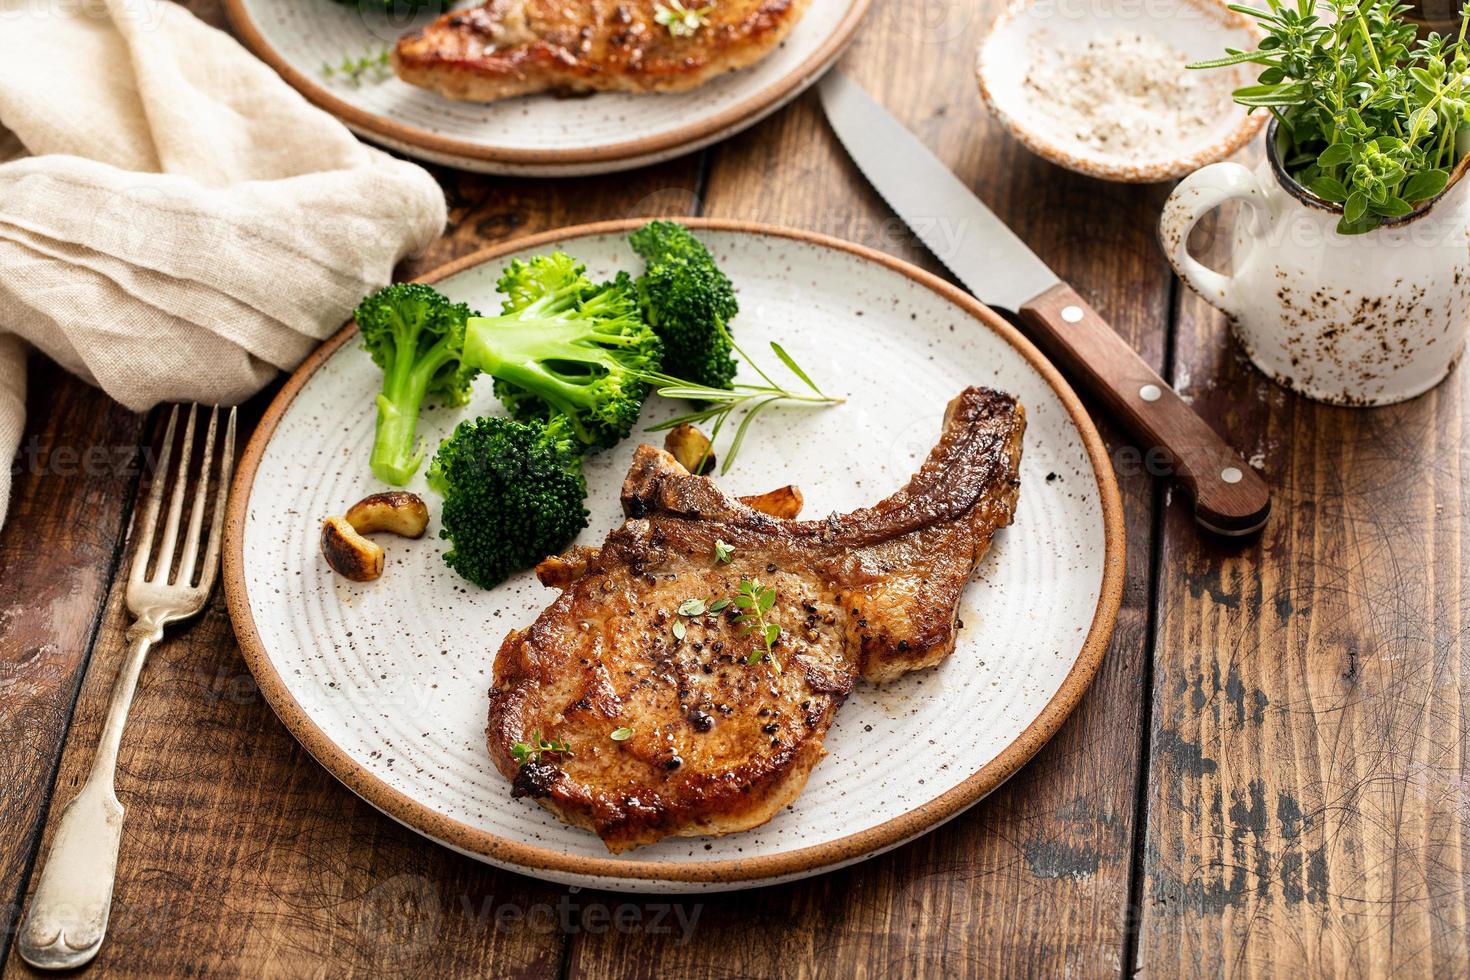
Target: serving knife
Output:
[(1229, 497)]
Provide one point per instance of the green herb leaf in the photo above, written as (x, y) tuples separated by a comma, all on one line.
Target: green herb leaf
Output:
[(723, 403), (691, 607), (1329, 189), (1334, 156), (723, 551), (524, 752), (1372, 114), (794, 367), (621, 734), (1423, 186), (1393, 207), (1355, 208), (680, 20), (719, 605)]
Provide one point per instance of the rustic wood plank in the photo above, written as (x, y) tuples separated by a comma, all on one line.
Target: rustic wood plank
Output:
[(1307, 791), (241, 855), (1035, 880), (74, 479)]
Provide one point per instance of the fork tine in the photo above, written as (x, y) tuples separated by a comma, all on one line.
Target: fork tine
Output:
[(164, 569), (201, 497), (226, 472), (144, 529)]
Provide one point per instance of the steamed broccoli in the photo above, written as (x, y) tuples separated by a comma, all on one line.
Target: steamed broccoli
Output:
[(512, 492), (689, 303), (416, 336), (564, 346)]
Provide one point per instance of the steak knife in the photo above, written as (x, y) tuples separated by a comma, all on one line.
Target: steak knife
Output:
[(1229, 497)]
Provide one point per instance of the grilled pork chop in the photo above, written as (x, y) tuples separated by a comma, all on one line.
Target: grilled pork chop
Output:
[(723, 734), (506, 48)]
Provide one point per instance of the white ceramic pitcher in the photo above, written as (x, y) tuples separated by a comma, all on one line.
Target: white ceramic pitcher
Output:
[(1367, 319)]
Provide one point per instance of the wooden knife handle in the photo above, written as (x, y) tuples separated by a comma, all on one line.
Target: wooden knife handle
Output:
[(1229, 497)]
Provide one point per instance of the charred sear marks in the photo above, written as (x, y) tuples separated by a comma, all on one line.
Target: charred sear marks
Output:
[(716, 730)]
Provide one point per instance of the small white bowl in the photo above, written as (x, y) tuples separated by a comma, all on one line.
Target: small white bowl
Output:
[(1199, 29)]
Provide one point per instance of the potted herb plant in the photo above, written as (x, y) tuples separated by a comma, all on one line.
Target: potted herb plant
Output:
[(1350, 278)]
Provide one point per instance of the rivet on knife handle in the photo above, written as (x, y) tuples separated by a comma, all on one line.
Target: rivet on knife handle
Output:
[(1229, 497)]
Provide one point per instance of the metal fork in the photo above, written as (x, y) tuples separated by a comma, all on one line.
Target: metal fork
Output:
[(67, 919)]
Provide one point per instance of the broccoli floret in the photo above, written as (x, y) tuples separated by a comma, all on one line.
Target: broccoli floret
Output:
[(564, 346), (512, 492), (416, 335), (689, 303)]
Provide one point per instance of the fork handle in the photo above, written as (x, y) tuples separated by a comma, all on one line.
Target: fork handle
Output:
[(67, 918)]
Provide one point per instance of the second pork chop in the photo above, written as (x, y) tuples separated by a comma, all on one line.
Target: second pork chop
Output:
[(505, 48), (715, 734)]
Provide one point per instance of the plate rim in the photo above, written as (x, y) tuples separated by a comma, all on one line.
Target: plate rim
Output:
[(730, 119), (811, 859)]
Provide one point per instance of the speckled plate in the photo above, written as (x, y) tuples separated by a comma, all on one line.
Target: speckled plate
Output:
[(539, 135), (386, 683)]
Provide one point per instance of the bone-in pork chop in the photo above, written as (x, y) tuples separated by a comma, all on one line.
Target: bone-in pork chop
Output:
[(505, 48), (649, 640)]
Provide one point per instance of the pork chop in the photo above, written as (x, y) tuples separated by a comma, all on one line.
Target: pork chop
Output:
[(506, 48), (673, 716)]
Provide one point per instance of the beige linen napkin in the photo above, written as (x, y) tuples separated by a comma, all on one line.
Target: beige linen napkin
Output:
[(186, 224)]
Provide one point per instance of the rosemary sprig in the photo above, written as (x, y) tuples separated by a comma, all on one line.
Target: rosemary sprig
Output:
[(722, 404)]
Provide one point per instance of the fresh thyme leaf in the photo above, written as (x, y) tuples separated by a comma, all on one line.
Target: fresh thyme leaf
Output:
[(680, 20), (680, 630), (371, 67), (524, 752), (723, 551), (691, 607), (621, 734), (719, 605), (758, 599)]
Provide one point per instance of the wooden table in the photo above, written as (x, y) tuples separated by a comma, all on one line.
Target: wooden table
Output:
[(1267, 777)]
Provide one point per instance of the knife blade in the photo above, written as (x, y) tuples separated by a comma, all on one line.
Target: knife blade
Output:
[(1229, 496)]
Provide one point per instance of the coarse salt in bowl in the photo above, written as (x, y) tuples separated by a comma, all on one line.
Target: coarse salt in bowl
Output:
[(1101, 87)]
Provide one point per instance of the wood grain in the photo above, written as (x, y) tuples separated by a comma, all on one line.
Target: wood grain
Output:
[(1035, 880), (73, 484), (1309, 812), (240, 854)]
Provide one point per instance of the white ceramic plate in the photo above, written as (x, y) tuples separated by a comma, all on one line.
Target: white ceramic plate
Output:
[(1030, 30), (539, 135), (385, 683)]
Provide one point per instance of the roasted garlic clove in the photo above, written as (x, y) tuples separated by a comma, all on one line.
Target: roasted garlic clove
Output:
[(784, 502), (691, 448), (350, 554), (395, 511)]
